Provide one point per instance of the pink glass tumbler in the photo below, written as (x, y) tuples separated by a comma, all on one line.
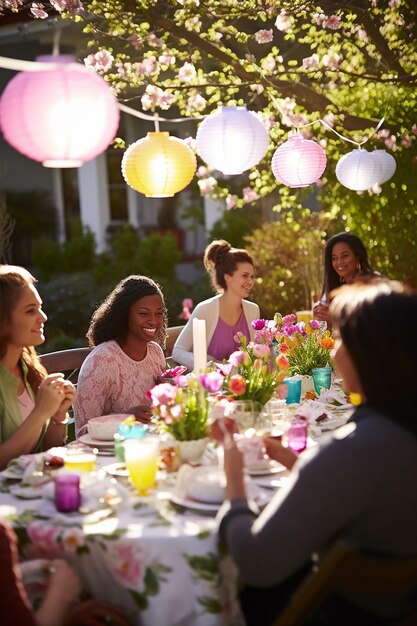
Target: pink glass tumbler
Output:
[(67, 493), (297, 435)]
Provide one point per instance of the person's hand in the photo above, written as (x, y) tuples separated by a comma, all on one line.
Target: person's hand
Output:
[(68, 400), (63, 582), (220, 427), (233, 468), (321, 311), (276, 451), (142, 412), (50, 395)]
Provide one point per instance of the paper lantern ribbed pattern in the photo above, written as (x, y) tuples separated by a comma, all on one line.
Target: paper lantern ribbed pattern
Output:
[(232, 140), (387, 165), (158, 165), (358, 170), (60, 117), (298, 162)]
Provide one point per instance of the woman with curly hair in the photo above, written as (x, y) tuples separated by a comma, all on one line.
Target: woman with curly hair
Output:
[(126, 360), (33, 405), (232, 275)]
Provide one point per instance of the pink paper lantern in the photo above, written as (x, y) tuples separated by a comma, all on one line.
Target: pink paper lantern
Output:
[(298, 162), (60, 117)]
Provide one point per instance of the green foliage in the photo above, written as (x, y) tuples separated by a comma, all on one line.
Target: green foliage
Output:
[(235, 225), (288, 255)]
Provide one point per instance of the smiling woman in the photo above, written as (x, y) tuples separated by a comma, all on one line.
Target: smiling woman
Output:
[(33, 405), (232, 275), (126, 332)]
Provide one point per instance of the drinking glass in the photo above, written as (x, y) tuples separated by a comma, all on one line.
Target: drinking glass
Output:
[(294, 390), (67, 492), (297, 435), (246, 413), (79, 458), (141, 457), (322, 378)]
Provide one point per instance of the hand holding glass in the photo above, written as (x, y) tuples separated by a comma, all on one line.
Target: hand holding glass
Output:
[(141, 457)]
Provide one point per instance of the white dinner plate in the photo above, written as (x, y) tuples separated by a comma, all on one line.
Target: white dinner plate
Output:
[(27, 492), (118, 470), (266, 467), (260, 496), (98, 443)]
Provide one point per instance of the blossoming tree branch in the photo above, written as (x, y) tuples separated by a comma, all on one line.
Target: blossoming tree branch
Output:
[(294, 62)]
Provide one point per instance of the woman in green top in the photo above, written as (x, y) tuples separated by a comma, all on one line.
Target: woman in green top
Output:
[(33, 404)]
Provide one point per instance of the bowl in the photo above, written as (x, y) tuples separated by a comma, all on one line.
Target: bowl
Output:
[(105, 426), (206, 485)]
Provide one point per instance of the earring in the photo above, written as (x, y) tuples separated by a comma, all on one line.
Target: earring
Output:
[(355, 399)]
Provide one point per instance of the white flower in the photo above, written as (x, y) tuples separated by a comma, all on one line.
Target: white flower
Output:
[(311, 62), (187, 72), (38, 11), (196, 102), (231, 201), (101, 60), (249, 195), (283, 22), (333, 22), (269, 63), (207, 185), (72, 539), (331, 60)]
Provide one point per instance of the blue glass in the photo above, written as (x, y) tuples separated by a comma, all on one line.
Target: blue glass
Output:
[(294, 390)]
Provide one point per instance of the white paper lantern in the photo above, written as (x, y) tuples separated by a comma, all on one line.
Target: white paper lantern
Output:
[(387, 164), (232, 140), (358, 170), (298, 162)]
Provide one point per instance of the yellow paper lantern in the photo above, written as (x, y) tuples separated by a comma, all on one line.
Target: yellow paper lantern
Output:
[(158, 165)]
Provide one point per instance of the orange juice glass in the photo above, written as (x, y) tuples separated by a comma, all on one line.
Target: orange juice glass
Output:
[(80, 459)]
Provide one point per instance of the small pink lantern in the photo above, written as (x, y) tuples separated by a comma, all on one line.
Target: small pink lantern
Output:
[(298, 162), (61, 116)]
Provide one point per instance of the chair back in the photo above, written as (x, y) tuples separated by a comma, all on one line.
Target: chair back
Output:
[(345, 568), (172, 336), (66, 361)]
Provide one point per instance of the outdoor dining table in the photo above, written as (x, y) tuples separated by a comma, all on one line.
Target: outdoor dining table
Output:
[(161, 562)]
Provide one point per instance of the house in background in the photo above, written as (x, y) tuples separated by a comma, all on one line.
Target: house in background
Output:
[(96, 193)]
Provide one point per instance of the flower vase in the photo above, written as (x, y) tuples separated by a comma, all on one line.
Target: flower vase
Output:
[(192, 450), (307, 384)]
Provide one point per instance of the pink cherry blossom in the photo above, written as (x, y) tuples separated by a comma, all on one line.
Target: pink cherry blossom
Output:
[(167, 59), (207, 185), (333, 22), (311, 62), (38, 10), (264, 36), (196, 102), (249, 195), (231, 200), (101, 60), (319, 18), (136, 41)]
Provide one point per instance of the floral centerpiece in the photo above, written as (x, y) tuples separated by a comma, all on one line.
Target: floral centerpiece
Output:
[(305, 345), (181, 408), (253, 372)]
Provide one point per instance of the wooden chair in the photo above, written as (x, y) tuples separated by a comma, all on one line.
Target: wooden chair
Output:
[(344, 568), (66, 361), (172, 336)]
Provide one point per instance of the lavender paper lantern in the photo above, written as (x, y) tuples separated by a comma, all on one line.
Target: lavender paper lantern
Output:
[(232, 140), (60, 117), (387, 165), (358, 170), (298, 162)]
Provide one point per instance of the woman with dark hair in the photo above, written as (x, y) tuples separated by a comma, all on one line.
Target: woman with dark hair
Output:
[(232, 275), (345, 259), (126, 361), (347, 486), (33, 405)]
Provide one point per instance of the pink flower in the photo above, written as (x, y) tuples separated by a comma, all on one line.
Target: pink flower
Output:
[(212, 381), (264, 36), (258, 324), (249, 195), (127, 560), (231, 201), (164, 393), (188, 303), (38, 11), (207, 185), (289, 319), (333, 22), (315, 324), (174, 371), (237, 385), (237, 358), (311, 62), (282, 391), (187, 73), (224, 368), (101, 60), (45, 539), (261, 350)]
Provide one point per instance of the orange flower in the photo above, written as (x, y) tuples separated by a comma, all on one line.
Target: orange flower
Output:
[(282, 362), (327, 343), (283, 348), (237, 385)]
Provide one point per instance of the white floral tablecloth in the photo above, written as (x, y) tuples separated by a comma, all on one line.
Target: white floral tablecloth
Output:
[(163, 564)]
